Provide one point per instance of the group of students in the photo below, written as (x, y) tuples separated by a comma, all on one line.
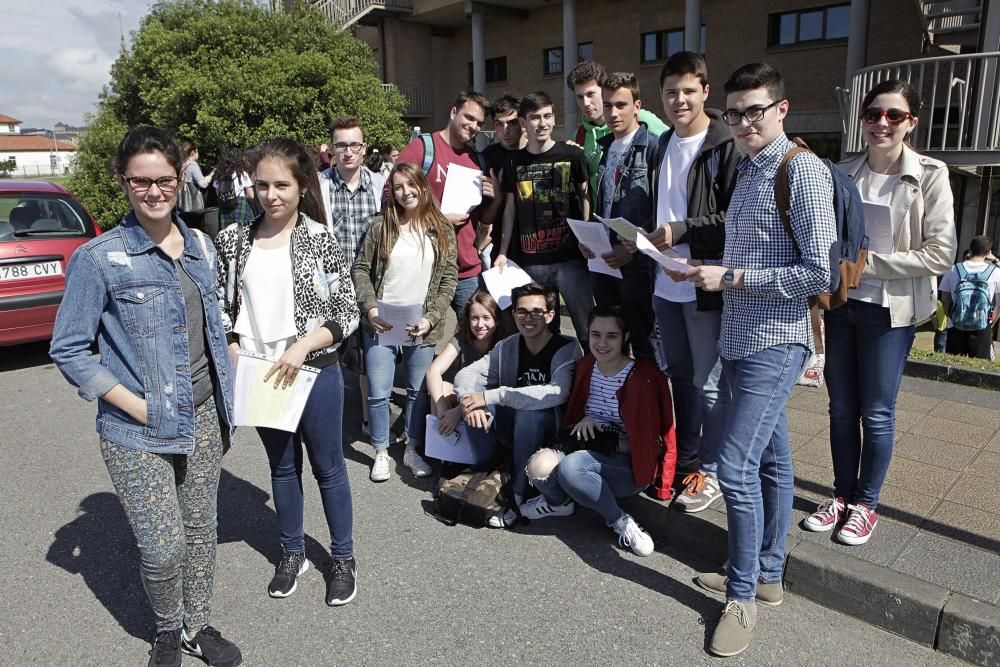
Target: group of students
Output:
[(587, 420)]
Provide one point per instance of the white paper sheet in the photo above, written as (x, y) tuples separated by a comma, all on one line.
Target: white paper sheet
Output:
[(456, 446), (622, 227), (878, 227), (259, 403), (463, 189), (499, 285), (399, 316), (666, 259), (595, 238)]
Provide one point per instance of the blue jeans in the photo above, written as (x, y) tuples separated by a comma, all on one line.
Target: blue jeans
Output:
[(755, 465), (865, 359), (689, 348), (380, 362), (464, 290), (591, 479), (321, 430), (524, 432), (572, 279), (634, 293)]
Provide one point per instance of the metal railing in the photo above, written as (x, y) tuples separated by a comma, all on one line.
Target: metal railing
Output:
[(419, 101), (951, 15), (344, 13), (959, 122)]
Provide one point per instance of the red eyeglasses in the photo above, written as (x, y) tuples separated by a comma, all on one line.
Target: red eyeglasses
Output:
[(892, 116)]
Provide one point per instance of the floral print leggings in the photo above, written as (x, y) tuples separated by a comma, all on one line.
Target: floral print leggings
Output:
[(171, 503)]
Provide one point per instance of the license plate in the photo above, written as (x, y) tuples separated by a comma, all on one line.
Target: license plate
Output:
[(11, 272)]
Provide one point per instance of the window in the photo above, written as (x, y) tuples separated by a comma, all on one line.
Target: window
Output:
[(552, 59), (496, 71), (822, 24), (660, 45)]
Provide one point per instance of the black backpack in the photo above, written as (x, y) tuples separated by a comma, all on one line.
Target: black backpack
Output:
[(227, 195)]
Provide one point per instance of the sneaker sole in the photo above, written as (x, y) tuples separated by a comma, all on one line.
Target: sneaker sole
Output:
[(694, 509), (818, 529), (856, 541), (302, 570), (727, 654), (419, 473), (340, 603), (767, 603)]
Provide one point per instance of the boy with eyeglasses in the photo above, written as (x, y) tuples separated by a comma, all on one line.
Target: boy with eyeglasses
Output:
[(350, 195), (522, 383), (766, 338)]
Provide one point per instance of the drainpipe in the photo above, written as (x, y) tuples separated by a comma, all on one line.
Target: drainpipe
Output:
[(692, 26), (857, 40), (569, 61)]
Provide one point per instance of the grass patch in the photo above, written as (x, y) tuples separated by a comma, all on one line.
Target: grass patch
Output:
[(955, 360)]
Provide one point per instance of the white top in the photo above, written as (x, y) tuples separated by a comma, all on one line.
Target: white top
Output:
[(602, 403), (950, 280), (241, 182), (266, 323), (612, 170), (672, 205), (881, 229), (408, 273)]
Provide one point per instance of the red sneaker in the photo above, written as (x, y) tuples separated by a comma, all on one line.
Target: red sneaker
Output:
[(860, 524), (828, 515)]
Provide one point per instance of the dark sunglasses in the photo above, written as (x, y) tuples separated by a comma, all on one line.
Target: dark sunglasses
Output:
[(892, 116)]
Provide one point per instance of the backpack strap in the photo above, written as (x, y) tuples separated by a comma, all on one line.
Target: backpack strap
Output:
[(962, 272), (581, 135), (201, 241), (428, 161), (783, 189)]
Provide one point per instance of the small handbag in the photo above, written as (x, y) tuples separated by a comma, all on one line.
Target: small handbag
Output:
[(605, 440)]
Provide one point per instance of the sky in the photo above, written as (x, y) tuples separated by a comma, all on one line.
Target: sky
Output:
[(57, 55)]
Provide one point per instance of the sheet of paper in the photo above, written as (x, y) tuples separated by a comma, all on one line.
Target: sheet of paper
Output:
[(878, 227), (259, 403), (399, 316), (463, 189), (666, 259), (457, 447), (622, 227), (499, 285), (595, 238)]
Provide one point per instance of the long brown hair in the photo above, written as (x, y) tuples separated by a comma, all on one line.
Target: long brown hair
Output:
[(428, 216), (486, 300), (299, 162)]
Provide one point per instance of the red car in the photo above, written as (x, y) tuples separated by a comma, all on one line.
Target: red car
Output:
[(41, 224)]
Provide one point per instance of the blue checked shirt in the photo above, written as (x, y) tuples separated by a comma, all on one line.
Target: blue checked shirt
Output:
[(352, 212), (779, 274)]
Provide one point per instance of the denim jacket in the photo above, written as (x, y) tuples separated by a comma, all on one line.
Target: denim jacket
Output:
[(633, 195), (124, 291)]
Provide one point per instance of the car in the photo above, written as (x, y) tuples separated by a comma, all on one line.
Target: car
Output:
[(41, 224)]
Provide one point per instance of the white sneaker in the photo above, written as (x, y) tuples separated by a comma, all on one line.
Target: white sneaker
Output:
[(632, 536), (508, 519), (539, 508), (380, 468), (416, 464)]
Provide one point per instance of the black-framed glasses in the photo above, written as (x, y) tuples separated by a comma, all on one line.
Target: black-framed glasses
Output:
[(342, 147), (524, 313), (871, 115), (753, 114), (140, 184)]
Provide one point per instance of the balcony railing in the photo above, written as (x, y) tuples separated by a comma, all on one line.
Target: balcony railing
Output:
[(344, 13), (950, 15), (959, 122), (419, 101)]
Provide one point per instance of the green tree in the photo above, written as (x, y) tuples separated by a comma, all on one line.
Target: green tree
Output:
[(232, 73)]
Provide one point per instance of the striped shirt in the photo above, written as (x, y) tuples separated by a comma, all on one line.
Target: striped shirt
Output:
[(352, 212), (779, 274), (602, 403)]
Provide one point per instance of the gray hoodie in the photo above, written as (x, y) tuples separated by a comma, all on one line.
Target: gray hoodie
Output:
[(497, 371)]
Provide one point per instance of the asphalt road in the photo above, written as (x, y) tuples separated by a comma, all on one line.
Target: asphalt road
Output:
[(555, 592)]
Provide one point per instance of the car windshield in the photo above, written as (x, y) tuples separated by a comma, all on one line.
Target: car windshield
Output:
[(29, 214)]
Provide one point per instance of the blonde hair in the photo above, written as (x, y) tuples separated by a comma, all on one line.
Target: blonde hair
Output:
[(428, 216)]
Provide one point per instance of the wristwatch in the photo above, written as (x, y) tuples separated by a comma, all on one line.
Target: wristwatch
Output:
[(728, 278)]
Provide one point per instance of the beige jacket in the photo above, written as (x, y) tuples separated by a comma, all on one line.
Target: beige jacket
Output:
[(925, 243)]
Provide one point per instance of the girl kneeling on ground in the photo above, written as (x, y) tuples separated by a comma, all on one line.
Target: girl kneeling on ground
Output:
[(619, 420)]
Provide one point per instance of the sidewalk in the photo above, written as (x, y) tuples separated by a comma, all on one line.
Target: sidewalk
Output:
[(936, 550)]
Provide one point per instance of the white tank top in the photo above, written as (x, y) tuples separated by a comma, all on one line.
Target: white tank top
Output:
[(266, 323)]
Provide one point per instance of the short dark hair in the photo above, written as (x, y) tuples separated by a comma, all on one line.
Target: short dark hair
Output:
[(346, 123), (533, 102), (905, 89), (617, 80), (472, 96), (685, 62), (504, 105), (536, 289), (586, 71), (980, 246), (756, 75), (146, 139)]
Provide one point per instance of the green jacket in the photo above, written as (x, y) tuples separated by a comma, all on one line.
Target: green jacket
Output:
[(369, 269)]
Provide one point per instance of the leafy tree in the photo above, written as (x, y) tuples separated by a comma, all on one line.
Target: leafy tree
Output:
[(232, 73), (7, 167)]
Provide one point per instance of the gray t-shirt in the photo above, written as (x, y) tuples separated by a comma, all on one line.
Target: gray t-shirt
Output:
[(194, 315)]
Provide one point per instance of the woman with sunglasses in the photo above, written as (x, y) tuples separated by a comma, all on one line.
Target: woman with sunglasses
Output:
[(910, 224), (146, 292)]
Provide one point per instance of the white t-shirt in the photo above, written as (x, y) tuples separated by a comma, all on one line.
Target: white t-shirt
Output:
[(612, 170), (241, 182), (408, 273), (950, 280), (672, 205), (266, 323), (876, 192)]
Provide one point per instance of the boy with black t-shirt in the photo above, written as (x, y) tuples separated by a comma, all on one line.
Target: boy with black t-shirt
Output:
[(509, 139), (544, 184), (522, 382)]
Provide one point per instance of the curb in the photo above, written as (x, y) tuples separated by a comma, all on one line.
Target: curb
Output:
[(923, 612), (955, 374)]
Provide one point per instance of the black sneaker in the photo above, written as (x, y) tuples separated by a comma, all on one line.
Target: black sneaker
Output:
[(212, 647), (343, 584), (166, 651), (289, 568)]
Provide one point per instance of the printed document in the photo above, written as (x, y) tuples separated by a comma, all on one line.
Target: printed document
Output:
[(399, 316), (622, 227), (499, 284), (463, 189), (667, 258), (259, 403), (594, 237), (456, 446)]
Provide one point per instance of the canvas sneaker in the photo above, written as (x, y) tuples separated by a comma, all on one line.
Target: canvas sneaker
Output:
[(509, 518), (212, 647), (166, 651), (735, 629), (632, 536), (700, 491), (539, 508), (417, 465), (860, 524), (767, 594), (826, 516), (380, 468), (343, 584), (286, 574)]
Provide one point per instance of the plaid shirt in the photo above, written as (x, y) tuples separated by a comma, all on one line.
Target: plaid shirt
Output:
[(779, 274), (352, 212)]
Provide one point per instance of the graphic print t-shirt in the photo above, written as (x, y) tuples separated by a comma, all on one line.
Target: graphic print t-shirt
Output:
[(546, 193), (535, 369)]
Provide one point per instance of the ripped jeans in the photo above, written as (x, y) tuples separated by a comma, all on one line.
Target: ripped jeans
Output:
[(591, 479)]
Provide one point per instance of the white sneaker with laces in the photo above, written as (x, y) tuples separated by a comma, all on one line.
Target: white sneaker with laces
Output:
[(417, 465), (508, 519), (539, 508), (632, 536), (380, 468)]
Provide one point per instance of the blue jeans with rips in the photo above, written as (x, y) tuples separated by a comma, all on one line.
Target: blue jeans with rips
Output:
[(524, 432), (591, 479)]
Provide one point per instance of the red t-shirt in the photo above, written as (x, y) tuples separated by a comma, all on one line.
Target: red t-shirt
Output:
[(465, 234)]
